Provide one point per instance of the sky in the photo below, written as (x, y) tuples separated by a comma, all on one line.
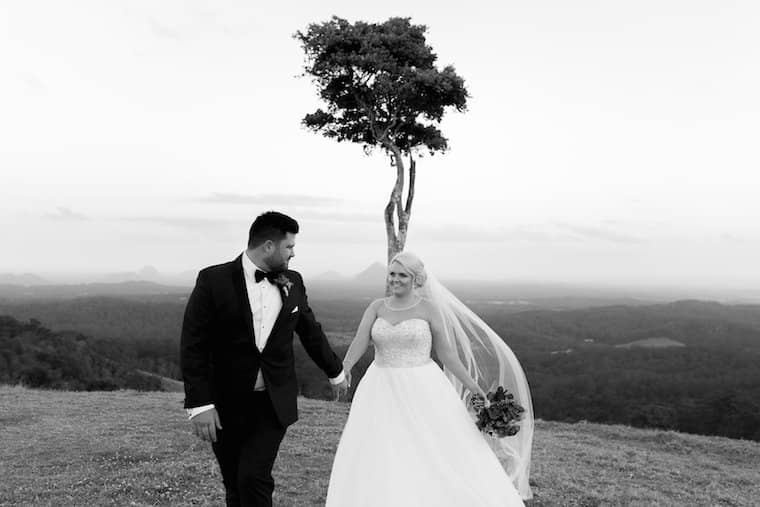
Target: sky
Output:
[(604, 142)]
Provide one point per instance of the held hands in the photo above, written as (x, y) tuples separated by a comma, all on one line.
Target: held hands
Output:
[(347, 373), (205, 425), (341, 389)]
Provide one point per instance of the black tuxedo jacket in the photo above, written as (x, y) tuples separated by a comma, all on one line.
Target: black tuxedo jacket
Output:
[(218, 354)]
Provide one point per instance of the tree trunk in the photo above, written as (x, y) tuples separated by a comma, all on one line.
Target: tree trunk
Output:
[(397, 215)]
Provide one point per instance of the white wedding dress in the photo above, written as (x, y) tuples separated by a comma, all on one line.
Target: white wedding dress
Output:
[(409, 440)]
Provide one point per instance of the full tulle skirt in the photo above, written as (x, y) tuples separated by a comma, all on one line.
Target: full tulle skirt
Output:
[(409, 441)]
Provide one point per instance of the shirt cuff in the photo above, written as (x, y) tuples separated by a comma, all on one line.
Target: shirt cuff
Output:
[(339, 379), (192, 412)]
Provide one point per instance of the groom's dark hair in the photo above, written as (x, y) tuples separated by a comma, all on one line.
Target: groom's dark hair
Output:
[(271, 225)]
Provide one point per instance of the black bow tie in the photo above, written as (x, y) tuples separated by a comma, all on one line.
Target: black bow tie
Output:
[(260, 275)]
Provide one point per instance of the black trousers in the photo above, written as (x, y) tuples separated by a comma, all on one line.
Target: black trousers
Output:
[(246, 449)]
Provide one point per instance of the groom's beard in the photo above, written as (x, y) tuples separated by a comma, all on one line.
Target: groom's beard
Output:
[(277, 263)]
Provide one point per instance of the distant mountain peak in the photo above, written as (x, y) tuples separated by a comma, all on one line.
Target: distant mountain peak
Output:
[(148, 272), (375, 273)]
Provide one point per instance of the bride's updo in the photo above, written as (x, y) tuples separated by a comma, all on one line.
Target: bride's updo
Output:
[(414, 265)]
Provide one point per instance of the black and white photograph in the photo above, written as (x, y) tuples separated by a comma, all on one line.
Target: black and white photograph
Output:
[(392, 254)]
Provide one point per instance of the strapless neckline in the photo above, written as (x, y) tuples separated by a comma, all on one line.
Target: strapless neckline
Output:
[(401, 321)]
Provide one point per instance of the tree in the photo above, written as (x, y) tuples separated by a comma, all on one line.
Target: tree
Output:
[(382, 90)]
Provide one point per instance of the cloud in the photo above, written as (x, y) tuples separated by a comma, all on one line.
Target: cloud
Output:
[(162, 31), (332, 226), (733, 238), (33, 83), (306, 207), (479, 233), (592, 232), (66, 215), (183, 222), (538, 233), (352, 217), (328, 226), (197, 21), (281, 200)]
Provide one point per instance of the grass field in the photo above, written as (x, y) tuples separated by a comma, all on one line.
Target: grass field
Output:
[(129, 448)]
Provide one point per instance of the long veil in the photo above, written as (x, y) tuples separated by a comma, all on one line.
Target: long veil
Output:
[(491, 363)]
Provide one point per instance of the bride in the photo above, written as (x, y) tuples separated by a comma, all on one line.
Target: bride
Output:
[(409, 439)]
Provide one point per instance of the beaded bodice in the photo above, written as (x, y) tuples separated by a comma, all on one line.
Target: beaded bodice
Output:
[(402, 345)]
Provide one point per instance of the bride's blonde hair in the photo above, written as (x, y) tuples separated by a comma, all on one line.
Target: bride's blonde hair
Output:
[(414, 265)]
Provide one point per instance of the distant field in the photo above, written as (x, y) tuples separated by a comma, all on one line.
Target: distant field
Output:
[(657, 342), (128, 448)]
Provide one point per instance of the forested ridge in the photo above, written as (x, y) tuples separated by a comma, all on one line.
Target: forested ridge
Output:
[(710, 385), (32, 355)]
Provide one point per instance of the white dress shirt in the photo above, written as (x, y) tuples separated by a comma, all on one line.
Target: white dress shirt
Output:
[(266, 303)]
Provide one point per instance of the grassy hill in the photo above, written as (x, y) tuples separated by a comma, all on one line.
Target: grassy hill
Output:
[(132, 448)]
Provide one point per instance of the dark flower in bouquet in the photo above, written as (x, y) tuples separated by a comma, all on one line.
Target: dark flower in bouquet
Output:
[(498, 417)]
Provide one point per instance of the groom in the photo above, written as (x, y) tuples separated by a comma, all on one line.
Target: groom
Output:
[(237, 358)]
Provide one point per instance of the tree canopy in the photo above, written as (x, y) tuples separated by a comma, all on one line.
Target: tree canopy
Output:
[(380, 84)]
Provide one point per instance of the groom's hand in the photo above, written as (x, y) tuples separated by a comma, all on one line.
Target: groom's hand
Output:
[(340, 389), (205, 425)]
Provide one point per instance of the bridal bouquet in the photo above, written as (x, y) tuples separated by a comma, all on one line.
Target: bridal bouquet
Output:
[(500, 416)]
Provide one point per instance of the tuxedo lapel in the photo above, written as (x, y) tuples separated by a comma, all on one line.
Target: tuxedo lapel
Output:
[(286, 295), (238, 282)]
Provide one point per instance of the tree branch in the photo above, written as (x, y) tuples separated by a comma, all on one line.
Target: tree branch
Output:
[(390, 231), (412, 178), (398, 189)]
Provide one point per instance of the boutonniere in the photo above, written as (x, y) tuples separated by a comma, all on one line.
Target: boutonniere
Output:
[(284, 283)]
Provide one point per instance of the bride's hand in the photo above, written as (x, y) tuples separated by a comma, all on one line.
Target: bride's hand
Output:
[(347, 372), (475, 401), (340, 389), (485, 398), (478, 399)]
